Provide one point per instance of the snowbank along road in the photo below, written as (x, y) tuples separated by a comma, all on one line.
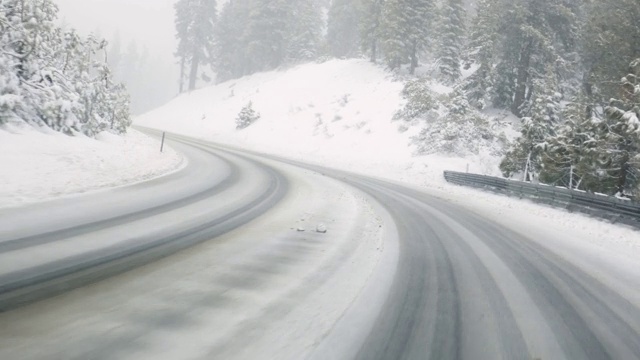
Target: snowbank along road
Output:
[(399, 274)]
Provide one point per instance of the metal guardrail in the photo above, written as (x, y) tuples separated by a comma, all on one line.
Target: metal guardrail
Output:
[(607, 207)]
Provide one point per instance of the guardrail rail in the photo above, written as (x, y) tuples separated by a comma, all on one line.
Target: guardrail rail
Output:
[(611, 208)]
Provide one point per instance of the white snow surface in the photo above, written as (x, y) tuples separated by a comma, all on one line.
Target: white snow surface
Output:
[(338, 114), (39, 165)]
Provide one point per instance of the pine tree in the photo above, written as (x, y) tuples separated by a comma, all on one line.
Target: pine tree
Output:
[(343, 30), (421, 28), (621, 133), (194, 21), (405, 31), (525, 36), (246, 117), (304, 31), (370, 27), (230, 46), (610, 41), (481, 51), (260, 35), (267, 33), (452, 30), (526, 154), (571, 155), (394, 33)]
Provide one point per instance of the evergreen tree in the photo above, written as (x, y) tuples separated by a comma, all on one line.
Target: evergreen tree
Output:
[(526, 154), (405, 31), (421, 28), (610, 41), (483, 38), (452, 30), (246, 117), (259, 35), (620, 140), (394, 33), (267, 34), (526, 37), (230, 45), (370, 27), (343, 31), (305, 31), (194, 21), (571, 157)]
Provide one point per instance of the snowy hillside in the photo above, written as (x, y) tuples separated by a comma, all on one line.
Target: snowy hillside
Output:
[(39, 165), (340, 110)]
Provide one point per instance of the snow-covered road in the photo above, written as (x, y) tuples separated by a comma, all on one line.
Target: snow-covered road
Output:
[(399, 274), (263, 283)]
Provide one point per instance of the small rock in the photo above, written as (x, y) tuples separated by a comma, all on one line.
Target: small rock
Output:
[(300, 229), (321, 228)]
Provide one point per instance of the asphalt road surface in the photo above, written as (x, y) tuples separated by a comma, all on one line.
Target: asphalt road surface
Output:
[(223, 260)]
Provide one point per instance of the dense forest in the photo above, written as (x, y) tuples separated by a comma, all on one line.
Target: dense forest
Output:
[(568, 69), (51, 76)]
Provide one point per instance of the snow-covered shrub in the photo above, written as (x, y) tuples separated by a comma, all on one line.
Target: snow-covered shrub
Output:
[(247, 116), (53, 77), (462, 130), (420, 100)]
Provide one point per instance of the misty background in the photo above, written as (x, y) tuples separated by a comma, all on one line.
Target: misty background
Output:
[(141, 36)]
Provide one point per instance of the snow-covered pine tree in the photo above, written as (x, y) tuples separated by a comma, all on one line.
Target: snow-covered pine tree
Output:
[(343, 28), (571, 155), (526, 154), (452, 29), (246, 117), (304, 31), (528, 35), (610, 41), (621, 134), (421, 28), (267, 34), (406, 29), (231, 44), (394, 38), (481, 52), (194, 21), (370, 27)]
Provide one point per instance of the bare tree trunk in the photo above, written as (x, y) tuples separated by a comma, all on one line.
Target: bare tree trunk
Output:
[(193, 77), (526, 168), (523, 77), (182, 65), (622, 178), (414, 57)]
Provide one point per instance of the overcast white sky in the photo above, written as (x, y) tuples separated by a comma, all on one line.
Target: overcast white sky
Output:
[(148, 22)]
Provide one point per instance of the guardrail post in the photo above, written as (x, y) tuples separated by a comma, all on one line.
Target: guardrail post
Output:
[(162, 143)]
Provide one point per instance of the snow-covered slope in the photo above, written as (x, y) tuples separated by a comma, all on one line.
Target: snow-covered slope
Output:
[(340, 110), (38, 165)]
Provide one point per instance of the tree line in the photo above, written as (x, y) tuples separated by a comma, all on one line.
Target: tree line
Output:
[(555, 64)]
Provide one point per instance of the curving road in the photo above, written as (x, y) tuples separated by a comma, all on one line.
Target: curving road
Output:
[(49, 248), (400, 274)]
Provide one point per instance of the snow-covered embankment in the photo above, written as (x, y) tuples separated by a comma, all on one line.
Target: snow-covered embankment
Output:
[(39, 165)]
